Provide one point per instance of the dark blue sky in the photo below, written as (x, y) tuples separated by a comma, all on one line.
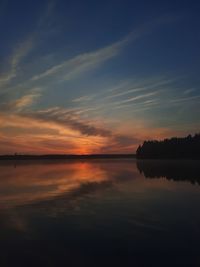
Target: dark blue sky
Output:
[(98, 72)]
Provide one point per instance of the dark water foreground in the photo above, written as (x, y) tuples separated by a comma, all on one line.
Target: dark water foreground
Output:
[(100, 213)]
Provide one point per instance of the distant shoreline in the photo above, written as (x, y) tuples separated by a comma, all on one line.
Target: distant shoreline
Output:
[(69, 157)]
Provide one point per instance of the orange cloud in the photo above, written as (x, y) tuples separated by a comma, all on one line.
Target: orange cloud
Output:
[(58, 131)]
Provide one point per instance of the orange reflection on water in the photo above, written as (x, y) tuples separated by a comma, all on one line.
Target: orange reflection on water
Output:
[(34, 181)]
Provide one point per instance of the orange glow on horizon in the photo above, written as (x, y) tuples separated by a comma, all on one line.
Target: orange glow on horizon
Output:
[(30, 136)]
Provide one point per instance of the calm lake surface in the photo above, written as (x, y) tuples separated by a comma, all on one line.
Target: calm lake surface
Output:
[(100, 213)]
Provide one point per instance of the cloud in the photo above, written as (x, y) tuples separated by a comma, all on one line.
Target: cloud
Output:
[(35, 144), (20, 103), (127, 93), (183, 99), (135, 98), (68, 118), (23, 49), (81, 63), (133, 90), (25, 101), (120, 144), (189, 91), (47, 14), (135, 87), (85, 136), (85, 98), (116, 142), (19, 54)]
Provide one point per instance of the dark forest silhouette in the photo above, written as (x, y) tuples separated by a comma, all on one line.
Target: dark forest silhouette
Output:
[(175, 170), (174, 148)]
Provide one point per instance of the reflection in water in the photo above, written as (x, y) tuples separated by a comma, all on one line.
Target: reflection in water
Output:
[(185, 170), (32, 182), (99, 213)]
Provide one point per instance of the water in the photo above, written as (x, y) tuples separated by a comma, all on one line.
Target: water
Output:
[(100, 213)]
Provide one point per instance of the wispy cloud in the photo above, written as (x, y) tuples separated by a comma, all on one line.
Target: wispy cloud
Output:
[(21, 103), (139, 87), (134, 90), (189, 91), (126, 93), (183, 99), (85, 98), (62, 119), (132, 99), (25, 101), (81, 63), (46, 15), (24, 48), (68, 118), (20, 52)]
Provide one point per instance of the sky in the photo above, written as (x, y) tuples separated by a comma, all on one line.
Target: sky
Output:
[(80, 77)]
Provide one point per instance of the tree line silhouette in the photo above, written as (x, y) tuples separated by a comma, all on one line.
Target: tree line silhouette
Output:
[(186, 147)]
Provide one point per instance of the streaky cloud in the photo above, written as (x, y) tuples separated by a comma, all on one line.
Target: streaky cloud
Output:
[(20, 53), (81, 63), (69, 119), (21, 103), (189, 91), (183, 99), (138, 97)]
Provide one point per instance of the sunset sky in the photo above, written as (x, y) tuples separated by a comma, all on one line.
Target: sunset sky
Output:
[(97, 76)]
